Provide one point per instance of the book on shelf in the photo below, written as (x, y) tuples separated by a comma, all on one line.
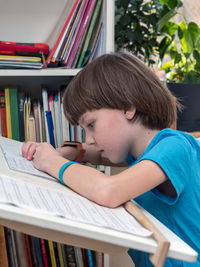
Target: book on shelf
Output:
[(3, 114), (21, 250), (77, 27), (15, 55), (45, 108), (92, 35), (36, 251), (60, 255), (52, 253), (27, 246), (78, 36), (66, 34), (58, 119), (27, 110), (3, 249), (44, 252), (8, 114), (87, 35), (83, 28), (38, 121), (61, 33), (31, 128), (14, 113), (52, 109), (71, 30), (21, 99), (14, 248), (17, 47)]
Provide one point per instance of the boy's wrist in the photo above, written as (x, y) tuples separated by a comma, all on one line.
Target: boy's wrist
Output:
[(81, 152)]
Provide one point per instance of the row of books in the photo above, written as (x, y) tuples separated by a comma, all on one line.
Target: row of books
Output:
[(40, 120), (78, 39), (22, 250), (77, 43)]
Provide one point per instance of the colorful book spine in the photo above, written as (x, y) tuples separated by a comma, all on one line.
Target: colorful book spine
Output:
[(83, 28), (14, 113), (8, 115), (72, 28), (44, 253), (3, 249), (3, 114), (21, 99), (52, 254), (62, 32), (80, 20), (96, 12)]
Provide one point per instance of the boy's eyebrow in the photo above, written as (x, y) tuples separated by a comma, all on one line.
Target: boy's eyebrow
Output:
[(81, 121)]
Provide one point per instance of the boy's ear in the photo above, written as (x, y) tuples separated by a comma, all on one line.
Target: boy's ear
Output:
[(130, 113)]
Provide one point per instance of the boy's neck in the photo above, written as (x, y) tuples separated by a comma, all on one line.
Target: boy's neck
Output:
[(141, 140)]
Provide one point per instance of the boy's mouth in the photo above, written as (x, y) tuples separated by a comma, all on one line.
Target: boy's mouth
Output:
[(101, 151)]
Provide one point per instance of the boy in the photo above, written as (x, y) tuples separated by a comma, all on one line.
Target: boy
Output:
[(126, 113)]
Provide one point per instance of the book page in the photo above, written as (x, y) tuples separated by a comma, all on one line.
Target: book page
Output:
[(73, 207), (12, 152)]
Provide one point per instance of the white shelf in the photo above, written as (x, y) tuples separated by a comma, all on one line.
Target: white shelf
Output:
[(43, 72)]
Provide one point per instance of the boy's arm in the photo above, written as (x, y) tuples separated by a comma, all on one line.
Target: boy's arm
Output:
[(90, 155)]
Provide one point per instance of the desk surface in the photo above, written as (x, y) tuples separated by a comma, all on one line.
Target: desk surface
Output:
[(82, 234)]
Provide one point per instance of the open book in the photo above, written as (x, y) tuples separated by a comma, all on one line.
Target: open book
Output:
[(12, 152), (53, 200)]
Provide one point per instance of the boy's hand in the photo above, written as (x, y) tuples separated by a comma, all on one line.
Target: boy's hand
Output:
[(28, 149), (44, 156)]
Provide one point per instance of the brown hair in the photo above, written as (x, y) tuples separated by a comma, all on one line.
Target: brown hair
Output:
[(120, 81)]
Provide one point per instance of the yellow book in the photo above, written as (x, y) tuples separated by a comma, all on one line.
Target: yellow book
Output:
[(62, 264), (52, 254), (20, 58), (8, 115)]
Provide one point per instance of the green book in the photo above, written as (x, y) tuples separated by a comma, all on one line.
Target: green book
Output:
[(14, 112), (89, 33)]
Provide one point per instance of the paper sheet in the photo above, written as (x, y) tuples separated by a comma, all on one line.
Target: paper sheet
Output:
[(12, 152), (58, 203)]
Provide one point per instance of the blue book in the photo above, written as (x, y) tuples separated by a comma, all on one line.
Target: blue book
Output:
[(90, 258), (50, 127)]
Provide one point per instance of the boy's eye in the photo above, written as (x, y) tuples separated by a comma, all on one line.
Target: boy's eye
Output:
[(90, 125)]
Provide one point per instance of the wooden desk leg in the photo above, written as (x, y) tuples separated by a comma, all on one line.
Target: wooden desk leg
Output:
[(118, 260), (157, 259)]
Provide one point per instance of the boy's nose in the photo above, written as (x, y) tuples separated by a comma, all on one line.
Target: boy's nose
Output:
[(89, 139)]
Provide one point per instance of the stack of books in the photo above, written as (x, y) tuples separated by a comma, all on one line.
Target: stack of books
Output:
[(78, 40), (23, 55)]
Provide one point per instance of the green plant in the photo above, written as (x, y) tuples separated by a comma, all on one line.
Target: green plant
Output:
[(179, 50), (136, 27), (139, 26)]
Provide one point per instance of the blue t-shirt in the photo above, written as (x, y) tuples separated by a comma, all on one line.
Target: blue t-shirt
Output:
[(178, 154)]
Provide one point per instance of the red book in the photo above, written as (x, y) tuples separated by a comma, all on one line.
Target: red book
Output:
[(27, 250), (24, 47), (44, 254), (61, 33)]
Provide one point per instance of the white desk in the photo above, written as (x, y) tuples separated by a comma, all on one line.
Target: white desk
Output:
[(81, 234)]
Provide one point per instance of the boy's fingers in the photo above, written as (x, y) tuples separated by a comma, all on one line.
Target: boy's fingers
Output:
[(28, 149)]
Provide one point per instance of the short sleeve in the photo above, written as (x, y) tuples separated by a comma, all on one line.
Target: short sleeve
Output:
[(172, 154)]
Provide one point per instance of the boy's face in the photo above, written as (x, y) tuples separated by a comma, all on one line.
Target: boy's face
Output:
[(108, 130)]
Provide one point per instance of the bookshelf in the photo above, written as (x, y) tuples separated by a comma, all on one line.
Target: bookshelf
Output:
[(37, 21)]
